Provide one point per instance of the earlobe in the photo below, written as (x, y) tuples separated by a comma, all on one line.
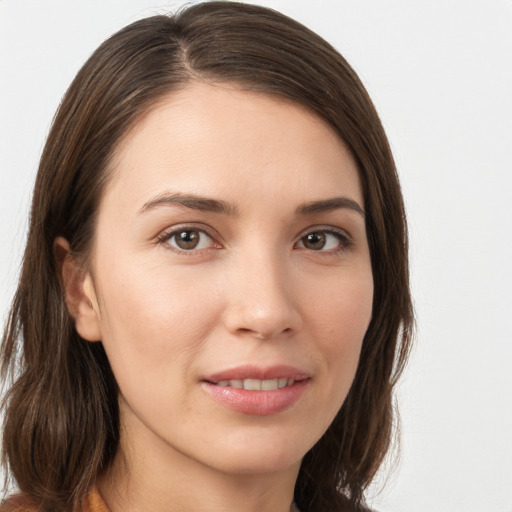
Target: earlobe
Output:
[(78, 289)]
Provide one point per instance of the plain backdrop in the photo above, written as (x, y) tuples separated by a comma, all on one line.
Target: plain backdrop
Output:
[(440, 74)]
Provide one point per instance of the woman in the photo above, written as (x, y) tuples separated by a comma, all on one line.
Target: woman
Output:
[(213, 307)]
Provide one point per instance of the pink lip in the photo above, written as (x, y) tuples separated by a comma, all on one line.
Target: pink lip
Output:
[(255, 372), (259, 403)]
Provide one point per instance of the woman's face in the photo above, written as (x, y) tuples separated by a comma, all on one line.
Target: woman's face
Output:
[(230, 251)]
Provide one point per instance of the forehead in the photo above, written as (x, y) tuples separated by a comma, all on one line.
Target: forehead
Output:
[(220, 140)]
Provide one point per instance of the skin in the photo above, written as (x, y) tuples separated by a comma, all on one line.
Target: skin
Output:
[(253, 291)]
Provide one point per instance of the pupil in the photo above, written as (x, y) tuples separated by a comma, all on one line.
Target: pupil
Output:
[(315, 241), (187, 239)]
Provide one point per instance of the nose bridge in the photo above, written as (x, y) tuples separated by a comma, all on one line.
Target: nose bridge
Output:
[(262, 302)]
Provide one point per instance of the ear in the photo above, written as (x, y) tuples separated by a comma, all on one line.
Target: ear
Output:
[(79, 292)]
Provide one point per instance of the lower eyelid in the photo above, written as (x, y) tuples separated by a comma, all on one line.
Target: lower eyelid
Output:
[(201, 241), (166, 236), (344, 240)]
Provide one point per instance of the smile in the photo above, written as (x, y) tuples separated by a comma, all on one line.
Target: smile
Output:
[(257, 384), (258, 391)]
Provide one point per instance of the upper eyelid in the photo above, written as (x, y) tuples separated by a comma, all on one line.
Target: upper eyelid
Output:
[(325, 229), (167, 233), (164, 237), (345, 240)]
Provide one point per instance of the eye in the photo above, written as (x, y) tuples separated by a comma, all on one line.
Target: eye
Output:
[(187, 239), (324, 240)]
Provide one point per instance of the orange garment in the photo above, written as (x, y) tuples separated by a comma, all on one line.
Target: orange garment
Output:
[(18, 503), (95, 502)]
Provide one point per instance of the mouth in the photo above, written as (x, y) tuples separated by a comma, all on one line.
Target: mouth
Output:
[(255, 378), (256, 384), (258, 391)]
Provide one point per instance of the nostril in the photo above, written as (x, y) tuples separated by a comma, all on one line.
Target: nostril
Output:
[(264, 335), (261, 318)]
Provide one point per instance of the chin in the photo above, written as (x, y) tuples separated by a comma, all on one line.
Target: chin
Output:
[(272, 454), (259, 464)]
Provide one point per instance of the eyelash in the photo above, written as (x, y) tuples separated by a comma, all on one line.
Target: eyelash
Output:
[(165, 237), (344, 240)]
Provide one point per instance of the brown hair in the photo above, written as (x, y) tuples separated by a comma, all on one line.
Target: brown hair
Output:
[(61, 423)]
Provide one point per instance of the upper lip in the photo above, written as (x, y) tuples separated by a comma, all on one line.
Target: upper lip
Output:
[(258, 372)]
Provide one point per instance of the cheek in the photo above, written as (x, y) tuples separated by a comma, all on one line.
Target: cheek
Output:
[(341, 319), (152, 319), (344, 313)]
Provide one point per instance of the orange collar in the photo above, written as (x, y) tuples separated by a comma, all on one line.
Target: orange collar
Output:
[(95, 502)]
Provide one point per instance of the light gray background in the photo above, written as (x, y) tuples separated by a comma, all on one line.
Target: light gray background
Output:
[(440, 73)]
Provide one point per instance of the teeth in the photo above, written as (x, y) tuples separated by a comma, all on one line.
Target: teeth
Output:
[(252, 384), (269, 385), (257, 384)]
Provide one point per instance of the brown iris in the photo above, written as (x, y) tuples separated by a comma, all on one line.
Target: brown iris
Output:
[(188, 239), (314, 241)]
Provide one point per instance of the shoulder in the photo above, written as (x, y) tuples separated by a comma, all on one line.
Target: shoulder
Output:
[(17, 503), (21, 503)]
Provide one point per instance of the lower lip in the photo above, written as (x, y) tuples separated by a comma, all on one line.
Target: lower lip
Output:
[(259, 403)]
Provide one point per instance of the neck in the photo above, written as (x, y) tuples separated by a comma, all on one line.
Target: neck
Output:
[(126, 489), (153, 476)]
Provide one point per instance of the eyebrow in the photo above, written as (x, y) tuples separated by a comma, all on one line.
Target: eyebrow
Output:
[(191, 201), (222, 207), (325, 205)]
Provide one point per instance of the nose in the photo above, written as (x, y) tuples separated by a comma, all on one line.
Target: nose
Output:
[(261, 300)]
